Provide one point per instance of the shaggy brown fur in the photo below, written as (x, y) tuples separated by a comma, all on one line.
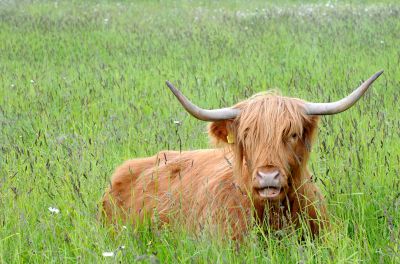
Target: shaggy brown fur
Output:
[(216, 188)]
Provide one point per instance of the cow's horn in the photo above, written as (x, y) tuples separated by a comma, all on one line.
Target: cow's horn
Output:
[(203, 114), (343, 104)]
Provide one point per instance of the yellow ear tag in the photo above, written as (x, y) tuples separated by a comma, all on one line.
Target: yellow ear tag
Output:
[(230, 138)]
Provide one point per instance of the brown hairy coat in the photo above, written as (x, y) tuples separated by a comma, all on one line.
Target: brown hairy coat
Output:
[(219, 189)]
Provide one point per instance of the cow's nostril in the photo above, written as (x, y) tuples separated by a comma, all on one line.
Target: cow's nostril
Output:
[(269, 179), (268, 175)]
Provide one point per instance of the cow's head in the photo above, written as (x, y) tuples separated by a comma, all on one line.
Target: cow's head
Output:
[(270, 136), (271, 139)]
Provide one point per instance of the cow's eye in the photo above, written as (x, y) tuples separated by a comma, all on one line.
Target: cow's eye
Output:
[(292, 138)]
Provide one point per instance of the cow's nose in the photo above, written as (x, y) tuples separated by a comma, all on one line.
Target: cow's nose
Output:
[(268, 178)]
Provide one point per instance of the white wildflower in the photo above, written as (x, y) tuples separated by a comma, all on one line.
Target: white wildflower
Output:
[(54, 210), (108, 254), (329, 4), (112, 253)]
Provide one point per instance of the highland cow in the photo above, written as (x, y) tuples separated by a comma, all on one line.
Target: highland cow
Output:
[(257, 174)]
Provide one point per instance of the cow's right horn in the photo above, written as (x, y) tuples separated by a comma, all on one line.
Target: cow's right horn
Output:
[(203, 114)]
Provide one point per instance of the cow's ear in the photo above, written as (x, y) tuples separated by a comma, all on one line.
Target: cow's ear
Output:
[(310, 130), (221, 132)]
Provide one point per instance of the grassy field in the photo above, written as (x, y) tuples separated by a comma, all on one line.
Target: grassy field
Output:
[(82, 89)]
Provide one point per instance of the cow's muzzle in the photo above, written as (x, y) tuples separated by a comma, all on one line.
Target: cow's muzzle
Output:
[(268, 183)]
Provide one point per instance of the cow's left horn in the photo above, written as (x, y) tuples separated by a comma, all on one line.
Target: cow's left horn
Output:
[(343, 104), (203, 114)]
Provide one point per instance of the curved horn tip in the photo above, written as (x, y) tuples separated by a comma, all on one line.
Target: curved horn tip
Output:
[(171, 86), (376, 75)]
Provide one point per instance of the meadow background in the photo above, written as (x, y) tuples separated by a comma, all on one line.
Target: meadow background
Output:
[(82, 89)]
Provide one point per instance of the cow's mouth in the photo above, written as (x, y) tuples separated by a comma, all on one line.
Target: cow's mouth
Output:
[(269, 192)]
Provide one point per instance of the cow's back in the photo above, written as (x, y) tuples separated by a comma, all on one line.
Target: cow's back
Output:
[(195, 185)]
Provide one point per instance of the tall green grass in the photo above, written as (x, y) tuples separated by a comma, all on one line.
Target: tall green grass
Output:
[(82, 89)]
